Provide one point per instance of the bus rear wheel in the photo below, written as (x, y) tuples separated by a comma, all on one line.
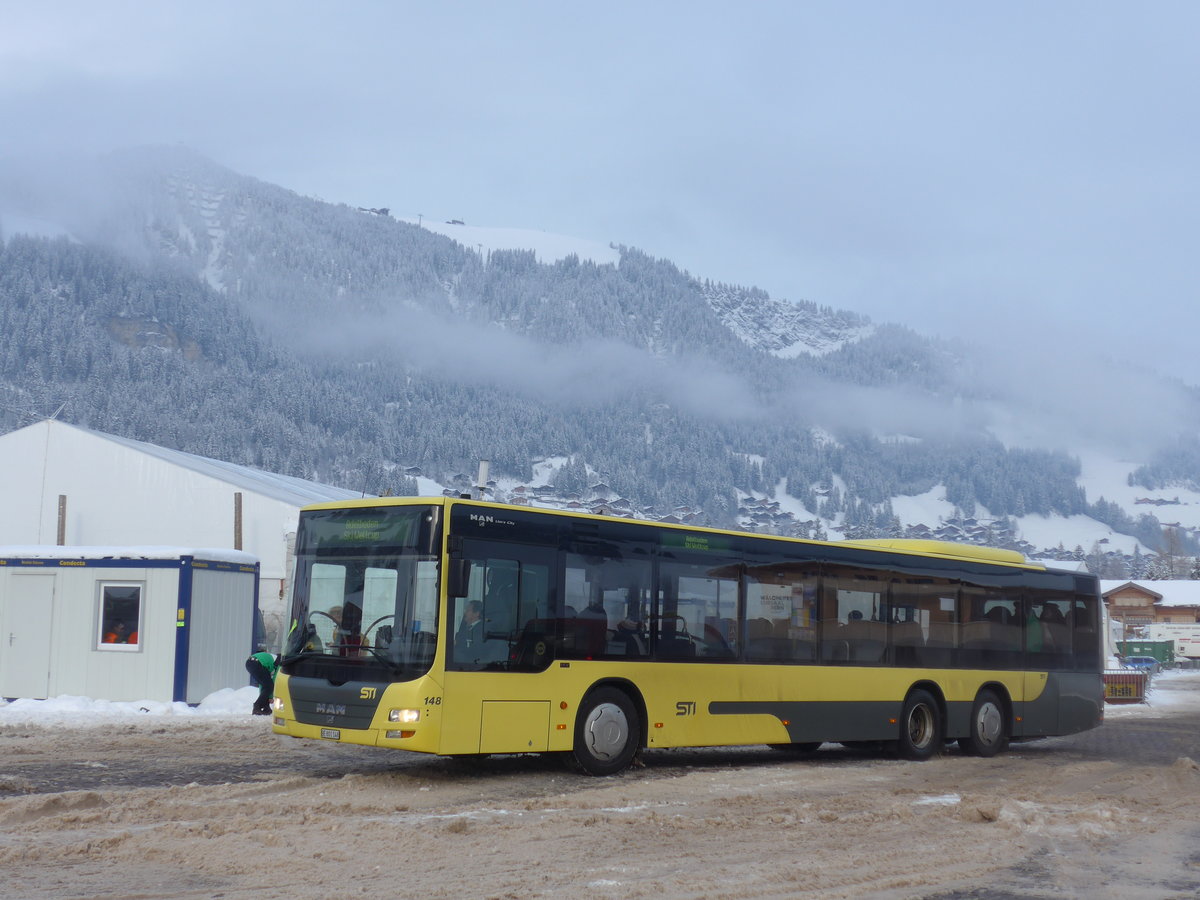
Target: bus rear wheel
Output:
[(920, 726), (607, 733), (989, 727)]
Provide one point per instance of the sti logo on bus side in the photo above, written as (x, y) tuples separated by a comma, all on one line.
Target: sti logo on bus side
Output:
[(685, 708)]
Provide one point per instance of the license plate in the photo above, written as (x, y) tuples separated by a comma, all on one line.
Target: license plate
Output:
[(332, 734)]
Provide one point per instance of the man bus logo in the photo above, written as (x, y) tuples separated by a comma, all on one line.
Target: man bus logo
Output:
[(482, 520), (331, 709)]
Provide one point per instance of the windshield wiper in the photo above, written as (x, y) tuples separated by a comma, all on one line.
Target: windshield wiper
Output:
[(382, 656), (301, 654)]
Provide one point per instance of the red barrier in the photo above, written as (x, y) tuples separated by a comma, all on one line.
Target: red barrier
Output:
[(1125, 686)]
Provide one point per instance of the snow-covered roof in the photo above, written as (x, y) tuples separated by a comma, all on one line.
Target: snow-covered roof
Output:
[(1174, 593), (50, 551), (285, 488)]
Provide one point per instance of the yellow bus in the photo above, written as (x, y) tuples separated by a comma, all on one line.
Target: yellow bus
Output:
[(459, 627)]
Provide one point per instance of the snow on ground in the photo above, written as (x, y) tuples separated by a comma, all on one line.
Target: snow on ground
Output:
[(1047, 532), (427, 487), (548, 247), (71, 710), (544, 470), (789, 504), (1044, 532), (928, 508), (1170, 692), (1107, 477)]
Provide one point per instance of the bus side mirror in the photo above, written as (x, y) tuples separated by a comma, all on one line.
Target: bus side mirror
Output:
[(458, 579)]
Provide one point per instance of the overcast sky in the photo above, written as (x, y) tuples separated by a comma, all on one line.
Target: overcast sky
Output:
[(1022, 171)]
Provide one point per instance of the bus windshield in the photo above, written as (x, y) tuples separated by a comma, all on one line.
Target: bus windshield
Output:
[(366, 594)]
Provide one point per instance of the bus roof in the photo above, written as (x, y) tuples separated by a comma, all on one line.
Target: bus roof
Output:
[(949, 549), (940, 549)]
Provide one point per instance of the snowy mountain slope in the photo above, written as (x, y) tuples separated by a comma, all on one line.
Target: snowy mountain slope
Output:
[(458, 342), (781, 328), (548, 247)]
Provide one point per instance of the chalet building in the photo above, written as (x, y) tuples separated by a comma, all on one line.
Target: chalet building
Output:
[(1150, 602)]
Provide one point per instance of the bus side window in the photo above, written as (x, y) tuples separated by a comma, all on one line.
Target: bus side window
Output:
[(606, 604), (781, 613), (1085, 635), (991, 630), (853, 625), (697, 611)]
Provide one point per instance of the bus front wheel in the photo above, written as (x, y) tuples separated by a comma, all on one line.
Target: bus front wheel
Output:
[(989, 730), (920, 726), (607, 732)]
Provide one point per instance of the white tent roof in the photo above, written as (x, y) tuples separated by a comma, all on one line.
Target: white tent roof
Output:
[(284, 488)]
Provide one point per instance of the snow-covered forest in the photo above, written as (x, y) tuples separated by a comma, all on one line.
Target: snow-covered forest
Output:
[(213, 313)]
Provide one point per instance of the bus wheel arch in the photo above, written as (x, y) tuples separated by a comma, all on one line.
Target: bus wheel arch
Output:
[(990, 726), (609, 729), (922, 723)]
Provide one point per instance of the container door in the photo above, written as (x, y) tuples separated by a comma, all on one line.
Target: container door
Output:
[(25, 655)]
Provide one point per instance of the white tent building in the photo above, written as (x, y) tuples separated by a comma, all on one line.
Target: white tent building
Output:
[(61, 484)]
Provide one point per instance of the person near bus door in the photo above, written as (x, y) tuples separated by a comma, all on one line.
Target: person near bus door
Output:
[(262, 667)]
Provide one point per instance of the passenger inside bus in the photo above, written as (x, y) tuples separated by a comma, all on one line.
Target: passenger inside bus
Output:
[(630, 638), (470, 629)]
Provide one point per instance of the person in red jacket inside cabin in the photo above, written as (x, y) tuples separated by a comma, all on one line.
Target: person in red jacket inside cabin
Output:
[(119, 634)]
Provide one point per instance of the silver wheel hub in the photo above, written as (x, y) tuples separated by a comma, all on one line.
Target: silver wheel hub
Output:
[(920, 726), (606, 731), (988, 723)]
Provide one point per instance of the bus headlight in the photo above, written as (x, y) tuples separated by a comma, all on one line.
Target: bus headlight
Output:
[(404, 715), (277, 704)]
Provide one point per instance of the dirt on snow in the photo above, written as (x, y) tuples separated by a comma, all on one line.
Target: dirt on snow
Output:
[(196, 807)]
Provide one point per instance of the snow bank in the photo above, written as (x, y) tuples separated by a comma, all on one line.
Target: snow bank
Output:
[(71, 710)]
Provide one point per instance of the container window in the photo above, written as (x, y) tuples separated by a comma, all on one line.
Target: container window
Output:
[(120, 617)]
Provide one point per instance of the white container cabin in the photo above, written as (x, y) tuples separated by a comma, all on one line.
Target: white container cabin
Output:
[(125, 623)]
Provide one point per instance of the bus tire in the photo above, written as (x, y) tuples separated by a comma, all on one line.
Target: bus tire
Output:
[(920, 726), (989, 726), (608, 733)]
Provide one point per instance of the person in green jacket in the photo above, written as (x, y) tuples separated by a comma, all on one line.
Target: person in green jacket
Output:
[(262, 667)]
